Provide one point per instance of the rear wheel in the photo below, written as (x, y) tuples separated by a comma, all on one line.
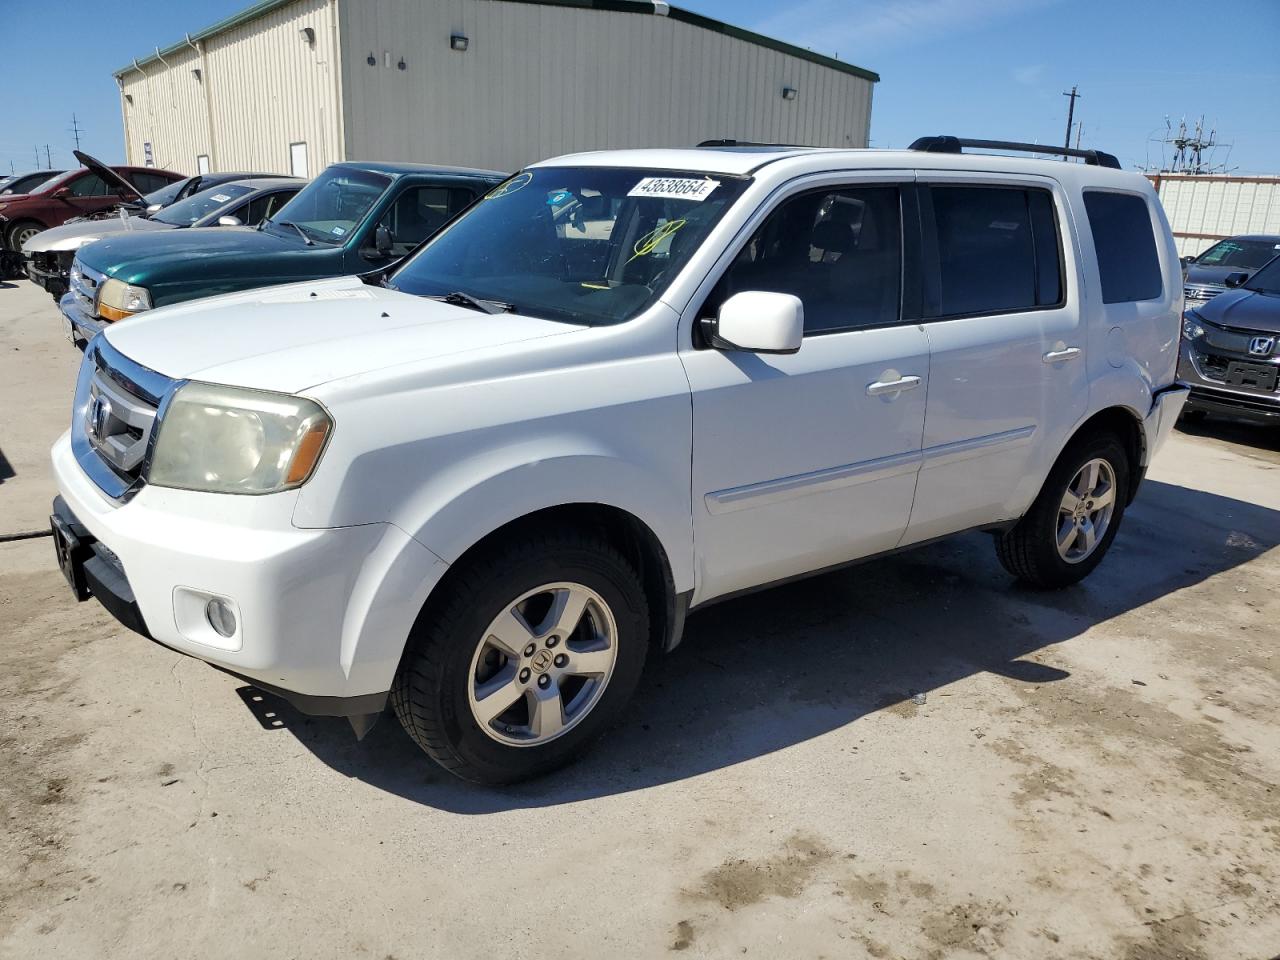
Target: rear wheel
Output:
[(532, 653), (1074, 519)]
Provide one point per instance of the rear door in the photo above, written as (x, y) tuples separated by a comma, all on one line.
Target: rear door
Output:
[(1007, 340), (808, 460)]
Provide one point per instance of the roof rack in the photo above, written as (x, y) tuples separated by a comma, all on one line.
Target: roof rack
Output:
[(747, 143), (954, 144)]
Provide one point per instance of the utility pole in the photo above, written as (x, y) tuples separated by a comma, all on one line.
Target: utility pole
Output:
[(48, 160), (75, 130), (37, 150), (1071, 113), (1079, 132)]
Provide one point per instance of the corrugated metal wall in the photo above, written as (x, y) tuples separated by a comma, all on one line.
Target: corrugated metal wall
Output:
[(1203, 210), (542, 80), (262, 87)]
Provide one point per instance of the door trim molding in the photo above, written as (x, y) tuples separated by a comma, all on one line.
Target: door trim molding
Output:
[(948, 453), (766, 492)]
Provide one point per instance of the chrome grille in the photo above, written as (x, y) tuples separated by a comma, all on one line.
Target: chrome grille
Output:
[(84, 283), (116, 408), (1200, 292)]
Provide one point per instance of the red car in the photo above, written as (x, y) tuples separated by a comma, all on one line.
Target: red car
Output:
[(76, 193)]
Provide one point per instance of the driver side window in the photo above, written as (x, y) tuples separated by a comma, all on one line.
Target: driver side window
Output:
[(418, 213), (838, 251)]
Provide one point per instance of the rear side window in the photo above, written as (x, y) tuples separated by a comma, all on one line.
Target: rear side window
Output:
[(1126, 246), (998, 250)]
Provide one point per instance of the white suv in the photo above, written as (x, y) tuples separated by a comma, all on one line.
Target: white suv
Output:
[(621, 386)]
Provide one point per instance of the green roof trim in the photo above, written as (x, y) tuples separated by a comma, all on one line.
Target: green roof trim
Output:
[(259, 9), (616, 6)]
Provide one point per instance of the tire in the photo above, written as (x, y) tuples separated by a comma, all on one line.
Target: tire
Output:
[(1031, 550), (19, 232), (460, 649)]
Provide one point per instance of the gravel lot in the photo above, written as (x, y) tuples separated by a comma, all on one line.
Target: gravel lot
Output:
[(1088, 774)]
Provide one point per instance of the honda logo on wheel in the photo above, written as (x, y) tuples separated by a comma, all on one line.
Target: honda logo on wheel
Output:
[(1262, 346)]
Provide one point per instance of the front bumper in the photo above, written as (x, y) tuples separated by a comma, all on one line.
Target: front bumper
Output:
[(322, 616), (1203, 370), (49, 271), (81, 326)]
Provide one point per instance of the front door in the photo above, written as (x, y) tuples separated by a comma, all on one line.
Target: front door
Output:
[(1006, 338), (808, 460)]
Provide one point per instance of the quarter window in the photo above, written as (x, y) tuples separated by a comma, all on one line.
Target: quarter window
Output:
[(839, 252), (1126, 246), (998, 250)]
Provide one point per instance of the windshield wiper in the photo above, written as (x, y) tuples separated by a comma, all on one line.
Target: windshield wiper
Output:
[(302, 233), (460, 299)]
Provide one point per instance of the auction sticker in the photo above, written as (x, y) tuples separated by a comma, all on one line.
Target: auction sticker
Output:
[(674, 188)]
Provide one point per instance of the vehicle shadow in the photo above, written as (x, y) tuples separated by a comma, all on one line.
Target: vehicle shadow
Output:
[(779, 667), (1247, 433)]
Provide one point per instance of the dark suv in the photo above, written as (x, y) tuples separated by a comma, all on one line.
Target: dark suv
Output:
[(1231, 349)]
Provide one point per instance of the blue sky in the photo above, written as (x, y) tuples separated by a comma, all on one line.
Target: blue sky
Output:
[(985, 68)]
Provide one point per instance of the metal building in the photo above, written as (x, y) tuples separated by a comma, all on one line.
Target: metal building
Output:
[(293, 85), (1203, 209)]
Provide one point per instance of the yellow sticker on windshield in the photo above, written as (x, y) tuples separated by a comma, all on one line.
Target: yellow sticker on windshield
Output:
[(518, 182), (654, 238)]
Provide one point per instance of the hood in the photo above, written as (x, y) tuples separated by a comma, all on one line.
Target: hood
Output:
[(72, 236), (127, 255), (107, 174), (1244, 310), (301, 335), (1198, 273)]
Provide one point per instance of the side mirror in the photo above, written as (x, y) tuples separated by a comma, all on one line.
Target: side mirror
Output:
[(1188, 258), (757, 322), (154, 208), (61, 193), (382, 240), (230, 221), (1236, 279)]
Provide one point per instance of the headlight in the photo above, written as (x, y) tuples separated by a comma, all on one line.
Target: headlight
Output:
[(1191, 328), (230, 440), (118, 300)]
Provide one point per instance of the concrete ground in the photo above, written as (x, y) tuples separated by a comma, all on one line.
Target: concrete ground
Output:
[(1085, 774)]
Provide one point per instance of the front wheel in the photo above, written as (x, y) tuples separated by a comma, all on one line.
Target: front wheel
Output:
[(20, 233), (1075, 517), (533, 652)]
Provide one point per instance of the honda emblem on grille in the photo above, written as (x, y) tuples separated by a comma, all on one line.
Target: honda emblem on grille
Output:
[(1262, 346), (98, 418)]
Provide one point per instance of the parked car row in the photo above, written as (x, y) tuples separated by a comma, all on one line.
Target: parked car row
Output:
[(486, 478)]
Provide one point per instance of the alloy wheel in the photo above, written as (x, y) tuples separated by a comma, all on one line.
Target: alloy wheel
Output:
[(1086, 510), (542, 664)]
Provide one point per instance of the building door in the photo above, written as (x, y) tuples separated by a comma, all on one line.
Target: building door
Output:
[(298, 160)]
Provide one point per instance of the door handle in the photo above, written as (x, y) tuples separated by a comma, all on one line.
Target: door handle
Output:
[(881, 387), (1057, 356)]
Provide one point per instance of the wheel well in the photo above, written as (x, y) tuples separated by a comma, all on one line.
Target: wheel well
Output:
[(626, 532), (1125, 425), (16, 225)]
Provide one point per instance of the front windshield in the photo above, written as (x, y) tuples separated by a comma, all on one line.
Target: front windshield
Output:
[(331, 205), (167, 194), (186, 212), (1245, 254), (1266, 280), (593, 245)]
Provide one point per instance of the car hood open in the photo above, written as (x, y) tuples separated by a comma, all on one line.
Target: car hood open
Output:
[(288, 338), (107, 174)]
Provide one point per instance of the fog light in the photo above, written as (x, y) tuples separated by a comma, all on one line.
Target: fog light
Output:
[(221, 617)]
